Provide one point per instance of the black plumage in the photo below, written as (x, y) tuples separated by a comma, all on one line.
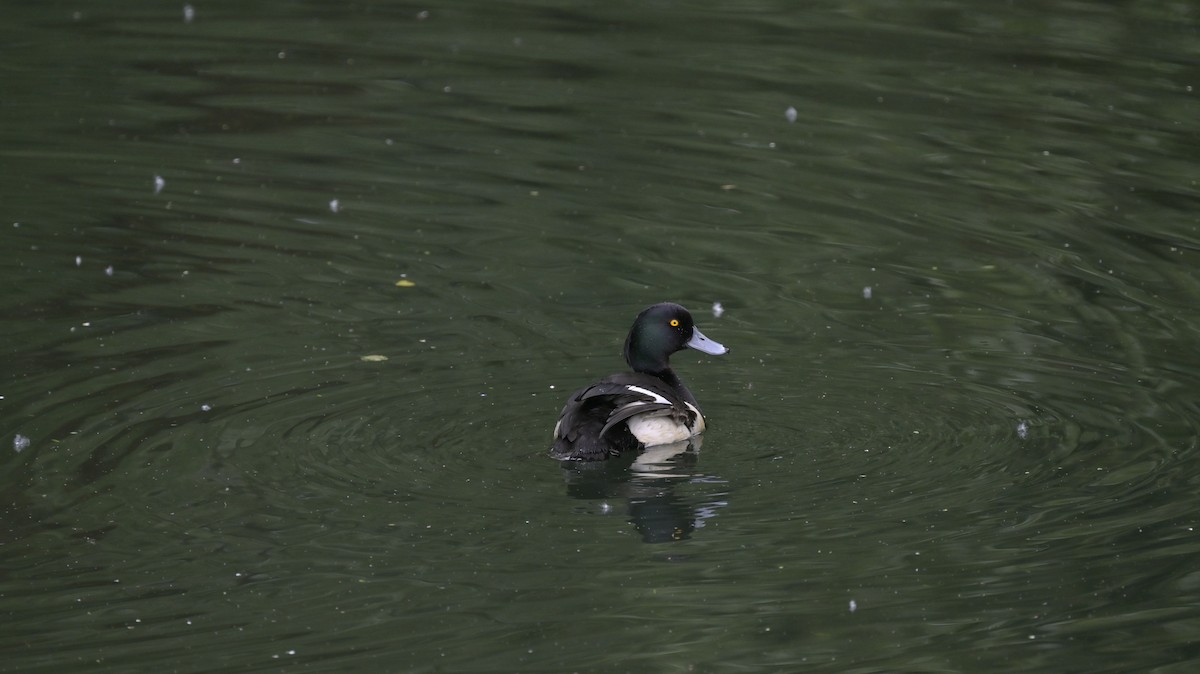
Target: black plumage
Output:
[(649, 406)]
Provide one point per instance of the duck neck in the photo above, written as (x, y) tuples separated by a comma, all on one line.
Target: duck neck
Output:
[(672, 380)]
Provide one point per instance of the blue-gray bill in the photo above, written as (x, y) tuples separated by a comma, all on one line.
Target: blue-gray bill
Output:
[(701, 343)]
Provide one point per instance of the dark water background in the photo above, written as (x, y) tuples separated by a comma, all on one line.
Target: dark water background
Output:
[(957, 430)]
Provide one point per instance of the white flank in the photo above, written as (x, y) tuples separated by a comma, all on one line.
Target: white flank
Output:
[(651, 430)]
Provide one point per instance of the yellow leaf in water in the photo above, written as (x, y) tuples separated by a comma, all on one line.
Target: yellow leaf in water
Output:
[(404, 283), (373, 358)]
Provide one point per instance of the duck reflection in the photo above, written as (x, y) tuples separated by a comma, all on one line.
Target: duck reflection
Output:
[(665, 496)]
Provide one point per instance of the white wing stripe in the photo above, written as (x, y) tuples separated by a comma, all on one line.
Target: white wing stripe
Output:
[(657, 398)]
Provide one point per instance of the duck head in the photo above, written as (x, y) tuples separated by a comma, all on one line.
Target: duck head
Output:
[(661, 330)]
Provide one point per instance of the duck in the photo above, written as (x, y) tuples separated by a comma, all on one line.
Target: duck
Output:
[(649, 406)]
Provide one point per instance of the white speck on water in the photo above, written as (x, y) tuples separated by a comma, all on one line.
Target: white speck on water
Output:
[(20, 443), (853, 606), (605, 507), (206, 407), (790, 113), (78, 260), (334, 205), (282, 55), (717, 309), (237, 160), (867, 293), (159, 184), (189, 13), (108, 271), (422, 15), (1023, 430)]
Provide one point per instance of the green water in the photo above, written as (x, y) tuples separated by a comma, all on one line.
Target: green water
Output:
[(957, 430)]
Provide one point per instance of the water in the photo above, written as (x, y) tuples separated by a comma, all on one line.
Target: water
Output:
[(293, 295)]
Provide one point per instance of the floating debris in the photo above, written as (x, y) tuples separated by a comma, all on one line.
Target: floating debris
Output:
[(717, 309), (206, 407), (20, 442), (373, 358), (334, 206), (189, 13), (867, 293), (78, 260), (853, 606), (404, 283), (1023, 430), (790, 113), (108, 271), (159, 184)]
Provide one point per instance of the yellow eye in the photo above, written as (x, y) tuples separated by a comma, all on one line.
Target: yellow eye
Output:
[(674, 322)]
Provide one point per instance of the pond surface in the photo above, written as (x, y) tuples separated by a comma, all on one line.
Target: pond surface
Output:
[(293, 293)]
